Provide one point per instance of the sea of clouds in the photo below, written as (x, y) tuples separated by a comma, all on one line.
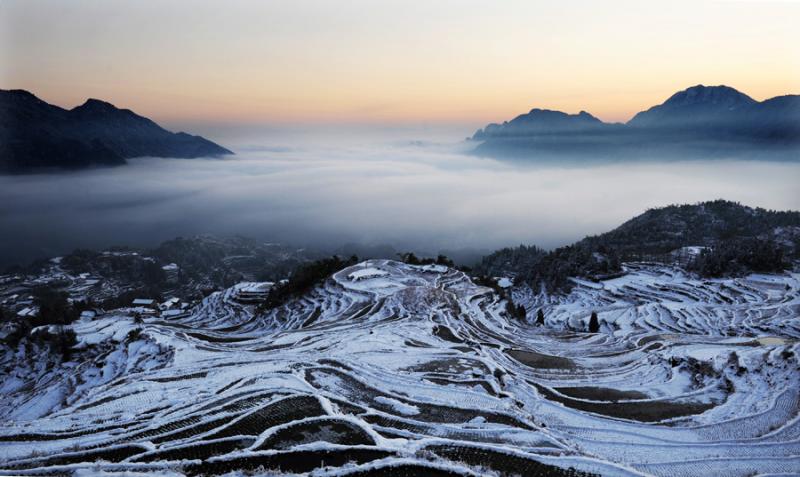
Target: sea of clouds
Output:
[(407, 189)]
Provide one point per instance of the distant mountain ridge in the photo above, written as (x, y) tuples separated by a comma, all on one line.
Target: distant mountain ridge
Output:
[(701, 120), (36, 135), (541, 120), (709, 102)]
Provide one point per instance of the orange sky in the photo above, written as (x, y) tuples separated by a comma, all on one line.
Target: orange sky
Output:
[(304, 61)]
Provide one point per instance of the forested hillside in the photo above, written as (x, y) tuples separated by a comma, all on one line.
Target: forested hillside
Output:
[(731, 239)]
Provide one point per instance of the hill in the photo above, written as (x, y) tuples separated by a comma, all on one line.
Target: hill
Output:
[(727, 238), (37, 136)]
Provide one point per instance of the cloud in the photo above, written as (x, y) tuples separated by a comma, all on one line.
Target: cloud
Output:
[(409, 193)]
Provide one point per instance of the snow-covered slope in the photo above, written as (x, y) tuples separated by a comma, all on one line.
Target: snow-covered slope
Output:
[(393, 369)]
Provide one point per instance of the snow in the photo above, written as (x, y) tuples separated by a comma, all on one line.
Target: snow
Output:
[(717, 359), (172, 313), (94, 472), (367, 273), (88, 315), (398, 406), (255, 287), (28, 311), (434, 268)]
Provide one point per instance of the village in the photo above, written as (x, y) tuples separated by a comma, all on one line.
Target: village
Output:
[(18, 290)]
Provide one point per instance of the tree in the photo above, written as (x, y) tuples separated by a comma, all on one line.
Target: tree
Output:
[(305, 278), (54, 308), (594, 324), (515, 311), (540, 317), (65, 340), (522, 313), (409, 258), (444, 260)]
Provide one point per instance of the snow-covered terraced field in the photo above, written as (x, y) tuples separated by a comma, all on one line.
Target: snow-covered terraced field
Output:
[(393, 369)]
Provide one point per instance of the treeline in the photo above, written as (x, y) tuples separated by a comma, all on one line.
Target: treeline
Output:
[(499, 263), (585, 259), (552, 270), (411, 259), (304, 278), (740, 256)]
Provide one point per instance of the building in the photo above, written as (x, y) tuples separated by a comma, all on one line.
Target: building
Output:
[(170, 304), (174, 314), (144, 302)]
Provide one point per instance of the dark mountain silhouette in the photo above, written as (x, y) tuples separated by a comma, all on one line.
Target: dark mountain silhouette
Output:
[(699, 122), (776, 118), (541, 120), (35, 135), (698, 104)]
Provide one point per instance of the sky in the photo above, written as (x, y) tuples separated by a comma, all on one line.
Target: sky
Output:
[(392, 62)]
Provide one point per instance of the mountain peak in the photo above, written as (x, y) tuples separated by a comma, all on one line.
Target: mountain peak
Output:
[(539, 120), (96, 105), (701, 94), (698, 103), (19, 93), (19, 96), (551, 114)]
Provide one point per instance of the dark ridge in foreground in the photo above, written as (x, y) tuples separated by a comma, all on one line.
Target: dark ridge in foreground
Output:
[(714, 238), (37, 136)]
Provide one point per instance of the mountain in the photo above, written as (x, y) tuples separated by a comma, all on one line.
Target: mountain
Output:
[(699, 122), (776, 118), (541, 121), (715, 238), (35, 136), (698, 104)]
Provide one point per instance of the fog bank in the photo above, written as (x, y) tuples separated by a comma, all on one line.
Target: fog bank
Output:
[(410, 190)]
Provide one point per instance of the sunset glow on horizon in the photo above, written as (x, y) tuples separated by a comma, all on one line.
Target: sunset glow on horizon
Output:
[(393, 62)]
